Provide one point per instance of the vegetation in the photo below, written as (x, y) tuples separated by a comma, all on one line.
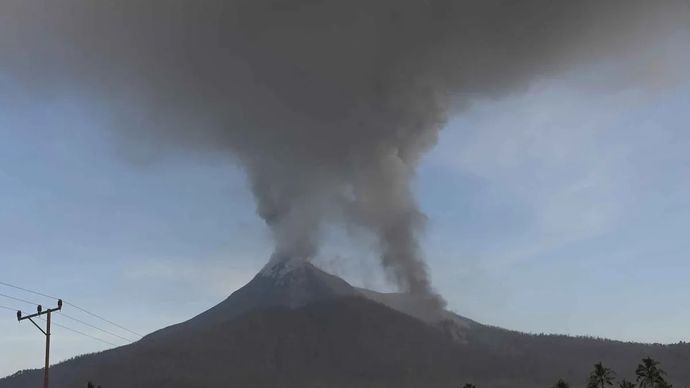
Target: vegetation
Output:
[(561, 384), (600, 376), (626, 384), (649, 375)]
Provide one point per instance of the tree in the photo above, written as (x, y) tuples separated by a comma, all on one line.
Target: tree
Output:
[(649, 375), (468, 385), (561, 384), (626, 384), (600, 376)]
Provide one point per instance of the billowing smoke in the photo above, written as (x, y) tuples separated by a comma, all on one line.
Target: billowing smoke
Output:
[(328, 104)]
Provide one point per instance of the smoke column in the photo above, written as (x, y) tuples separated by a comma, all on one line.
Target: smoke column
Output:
[(328, 104)]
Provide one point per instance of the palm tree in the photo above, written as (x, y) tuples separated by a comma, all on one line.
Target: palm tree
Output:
[(649, 375), (626, 384), (600, 376), (561, 384)]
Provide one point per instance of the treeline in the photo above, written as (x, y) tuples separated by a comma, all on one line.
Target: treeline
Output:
[(649, 375)]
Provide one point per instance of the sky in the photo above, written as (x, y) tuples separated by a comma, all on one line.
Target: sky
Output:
[(559, 208)]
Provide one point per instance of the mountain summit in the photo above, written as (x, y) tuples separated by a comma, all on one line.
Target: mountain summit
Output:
[(280, 284), (294, 325), (296, 283)]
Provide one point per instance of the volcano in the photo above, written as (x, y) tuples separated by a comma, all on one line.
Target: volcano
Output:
[(294, 325)]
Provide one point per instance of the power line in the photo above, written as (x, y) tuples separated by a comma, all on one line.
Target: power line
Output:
[(19, 300), (27, 290), (72, 305), (45, 332), (95, 327), (103, 319), (65, 315), (82, 333), (71, 329), (8, 308)]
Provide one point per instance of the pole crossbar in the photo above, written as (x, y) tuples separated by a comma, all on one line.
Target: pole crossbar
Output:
[(46, 332)]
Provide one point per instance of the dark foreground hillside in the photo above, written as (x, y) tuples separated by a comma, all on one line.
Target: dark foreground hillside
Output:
[(344, 340), (348, 342)]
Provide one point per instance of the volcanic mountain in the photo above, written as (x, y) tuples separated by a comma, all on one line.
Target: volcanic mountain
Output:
[(295, 325)]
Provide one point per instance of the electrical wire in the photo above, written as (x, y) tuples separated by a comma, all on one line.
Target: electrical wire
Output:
[(103, 319), (94, 327), (19, 299), (79, 332), (64, 326), (84, 334), (27, 290), (70, 304)]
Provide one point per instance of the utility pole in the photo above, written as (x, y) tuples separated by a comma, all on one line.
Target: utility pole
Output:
[(45, 332)]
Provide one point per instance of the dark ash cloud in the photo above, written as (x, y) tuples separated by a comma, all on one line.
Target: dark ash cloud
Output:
[(328, 104)]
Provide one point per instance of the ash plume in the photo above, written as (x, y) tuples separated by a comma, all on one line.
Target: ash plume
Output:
[(328, 104)]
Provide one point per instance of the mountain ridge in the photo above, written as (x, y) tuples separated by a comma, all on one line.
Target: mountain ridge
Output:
[(294, 325)]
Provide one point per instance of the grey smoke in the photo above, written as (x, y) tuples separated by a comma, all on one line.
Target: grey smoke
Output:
[(328, 104)]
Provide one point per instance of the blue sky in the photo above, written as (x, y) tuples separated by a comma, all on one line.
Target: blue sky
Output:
[(561, 208)]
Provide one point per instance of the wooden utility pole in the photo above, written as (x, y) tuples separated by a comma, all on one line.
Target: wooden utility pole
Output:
[(45, 332)]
